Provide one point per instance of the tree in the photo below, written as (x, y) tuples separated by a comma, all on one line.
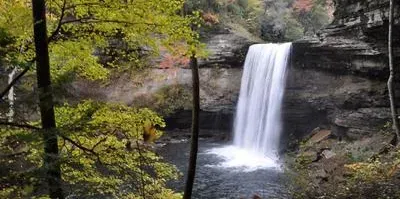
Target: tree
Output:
[(312, 14), (393, 107), (101, 152), (46, 105), (194, 129)]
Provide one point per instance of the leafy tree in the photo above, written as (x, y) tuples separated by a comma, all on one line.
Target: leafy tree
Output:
[(102, 153), (288, 20), (312, 14), (101, 149), (46, 105)]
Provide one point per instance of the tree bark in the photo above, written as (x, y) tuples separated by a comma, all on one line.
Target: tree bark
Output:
[(11, 96), (392, 76), (46, 104), (195, 129)]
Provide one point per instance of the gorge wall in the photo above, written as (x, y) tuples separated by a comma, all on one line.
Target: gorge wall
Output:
[(220, 78), (336, 80)]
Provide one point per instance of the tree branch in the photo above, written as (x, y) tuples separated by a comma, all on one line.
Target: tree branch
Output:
[(93, 20), (83, 148), (12, 124), (58, 28), (15, 80), (53, 35), (98, 143), (12, 154)]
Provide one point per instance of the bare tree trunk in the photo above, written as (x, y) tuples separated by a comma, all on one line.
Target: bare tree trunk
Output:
[(392, 76), (11, 96), (195, 129), (46, 104)]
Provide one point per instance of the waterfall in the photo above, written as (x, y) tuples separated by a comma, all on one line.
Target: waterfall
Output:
[(258, 117), (258, 125)]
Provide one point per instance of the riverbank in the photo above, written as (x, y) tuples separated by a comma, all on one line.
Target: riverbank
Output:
[(327, 167)]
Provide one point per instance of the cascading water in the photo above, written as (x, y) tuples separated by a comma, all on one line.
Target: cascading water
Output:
[(258, 117)]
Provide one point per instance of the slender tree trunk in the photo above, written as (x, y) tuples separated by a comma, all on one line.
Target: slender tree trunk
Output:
[(195, 129), (46, 104), (392, 76), (11, 96)]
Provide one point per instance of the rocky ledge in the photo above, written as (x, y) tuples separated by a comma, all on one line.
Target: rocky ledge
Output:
[(338, 79)]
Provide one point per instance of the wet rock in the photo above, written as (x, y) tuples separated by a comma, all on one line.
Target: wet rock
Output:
[(328, 154), (227, 49)]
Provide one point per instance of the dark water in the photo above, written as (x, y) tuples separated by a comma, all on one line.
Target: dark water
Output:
[(213, 182)]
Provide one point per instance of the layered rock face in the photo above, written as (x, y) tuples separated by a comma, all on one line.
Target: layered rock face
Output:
[(220, 78), (338, 79)]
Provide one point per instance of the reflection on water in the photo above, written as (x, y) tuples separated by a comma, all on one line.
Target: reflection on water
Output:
[(214, 181)]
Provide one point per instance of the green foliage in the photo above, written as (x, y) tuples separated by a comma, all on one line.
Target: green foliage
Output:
[(171, 98), (356, 171), (101, 145), (102, 153), (125, 32), (314, 19), (276, 21), (75, 58), (294, 30), (378, 169), (227, 9)]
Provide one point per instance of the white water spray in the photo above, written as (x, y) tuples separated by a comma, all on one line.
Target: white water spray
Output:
[(258, 117)]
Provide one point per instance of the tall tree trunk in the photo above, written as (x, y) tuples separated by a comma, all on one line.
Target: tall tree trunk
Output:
[(195, 129), (46, 104), (392, 76)]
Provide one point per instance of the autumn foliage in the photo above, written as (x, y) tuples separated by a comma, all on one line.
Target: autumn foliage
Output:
[(174, 58), (210, 18)]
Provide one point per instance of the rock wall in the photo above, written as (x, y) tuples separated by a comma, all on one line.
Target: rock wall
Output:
[(220, 77), (336, 80), (340, 75)]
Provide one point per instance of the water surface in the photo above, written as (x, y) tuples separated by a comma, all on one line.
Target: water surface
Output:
[(215, 181)]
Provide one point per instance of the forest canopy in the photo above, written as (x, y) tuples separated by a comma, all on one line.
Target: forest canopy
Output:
[(272, 20)]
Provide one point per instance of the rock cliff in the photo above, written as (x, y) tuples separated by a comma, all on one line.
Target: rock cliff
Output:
[(338, 78), (220, 77)]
